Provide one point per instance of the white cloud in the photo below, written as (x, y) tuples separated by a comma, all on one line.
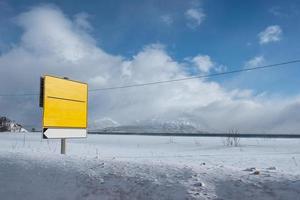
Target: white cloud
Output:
[(220, 68), (203, 62), (276, 10), (255, 62), (195, 17), (54, 44), (283, 12), (270, 34), (167, 19)]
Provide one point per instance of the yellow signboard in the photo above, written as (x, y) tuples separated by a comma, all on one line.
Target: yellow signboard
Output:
[(65, 103)]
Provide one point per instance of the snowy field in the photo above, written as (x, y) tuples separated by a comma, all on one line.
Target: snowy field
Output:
[(148, 167)]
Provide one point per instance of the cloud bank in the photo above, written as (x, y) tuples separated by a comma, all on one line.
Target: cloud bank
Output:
[(53, 43)]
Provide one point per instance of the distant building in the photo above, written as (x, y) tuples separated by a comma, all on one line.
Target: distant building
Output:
[(6, 125)]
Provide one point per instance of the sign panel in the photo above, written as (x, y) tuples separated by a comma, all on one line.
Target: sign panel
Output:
[(64, 133), (64, 105)]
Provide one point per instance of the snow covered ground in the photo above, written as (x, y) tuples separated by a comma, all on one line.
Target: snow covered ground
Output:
[(148, 167)]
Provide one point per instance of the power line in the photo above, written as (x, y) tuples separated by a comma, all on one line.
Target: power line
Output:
[(198, 76), (174, 80), (17, 95)]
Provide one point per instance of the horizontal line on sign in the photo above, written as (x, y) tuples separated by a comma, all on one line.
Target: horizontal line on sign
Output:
[(66, 99)]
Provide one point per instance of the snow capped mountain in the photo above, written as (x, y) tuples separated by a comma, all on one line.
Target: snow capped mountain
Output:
[(103, 123), (7, 125), (151, 126)]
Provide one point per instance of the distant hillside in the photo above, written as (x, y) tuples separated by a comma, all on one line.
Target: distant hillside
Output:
[(7, 125), (152, 127)]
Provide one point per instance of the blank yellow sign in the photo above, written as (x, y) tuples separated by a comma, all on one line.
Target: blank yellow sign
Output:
[(65, 103)]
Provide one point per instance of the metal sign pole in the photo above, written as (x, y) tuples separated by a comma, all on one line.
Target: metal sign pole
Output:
[(63, 146)]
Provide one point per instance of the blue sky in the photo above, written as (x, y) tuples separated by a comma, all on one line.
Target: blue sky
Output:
[(108, 43), (228, 32)]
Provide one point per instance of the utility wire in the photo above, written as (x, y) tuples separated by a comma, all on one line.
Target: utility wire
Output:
[(198, 76), (17, 95), (174, 80)]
